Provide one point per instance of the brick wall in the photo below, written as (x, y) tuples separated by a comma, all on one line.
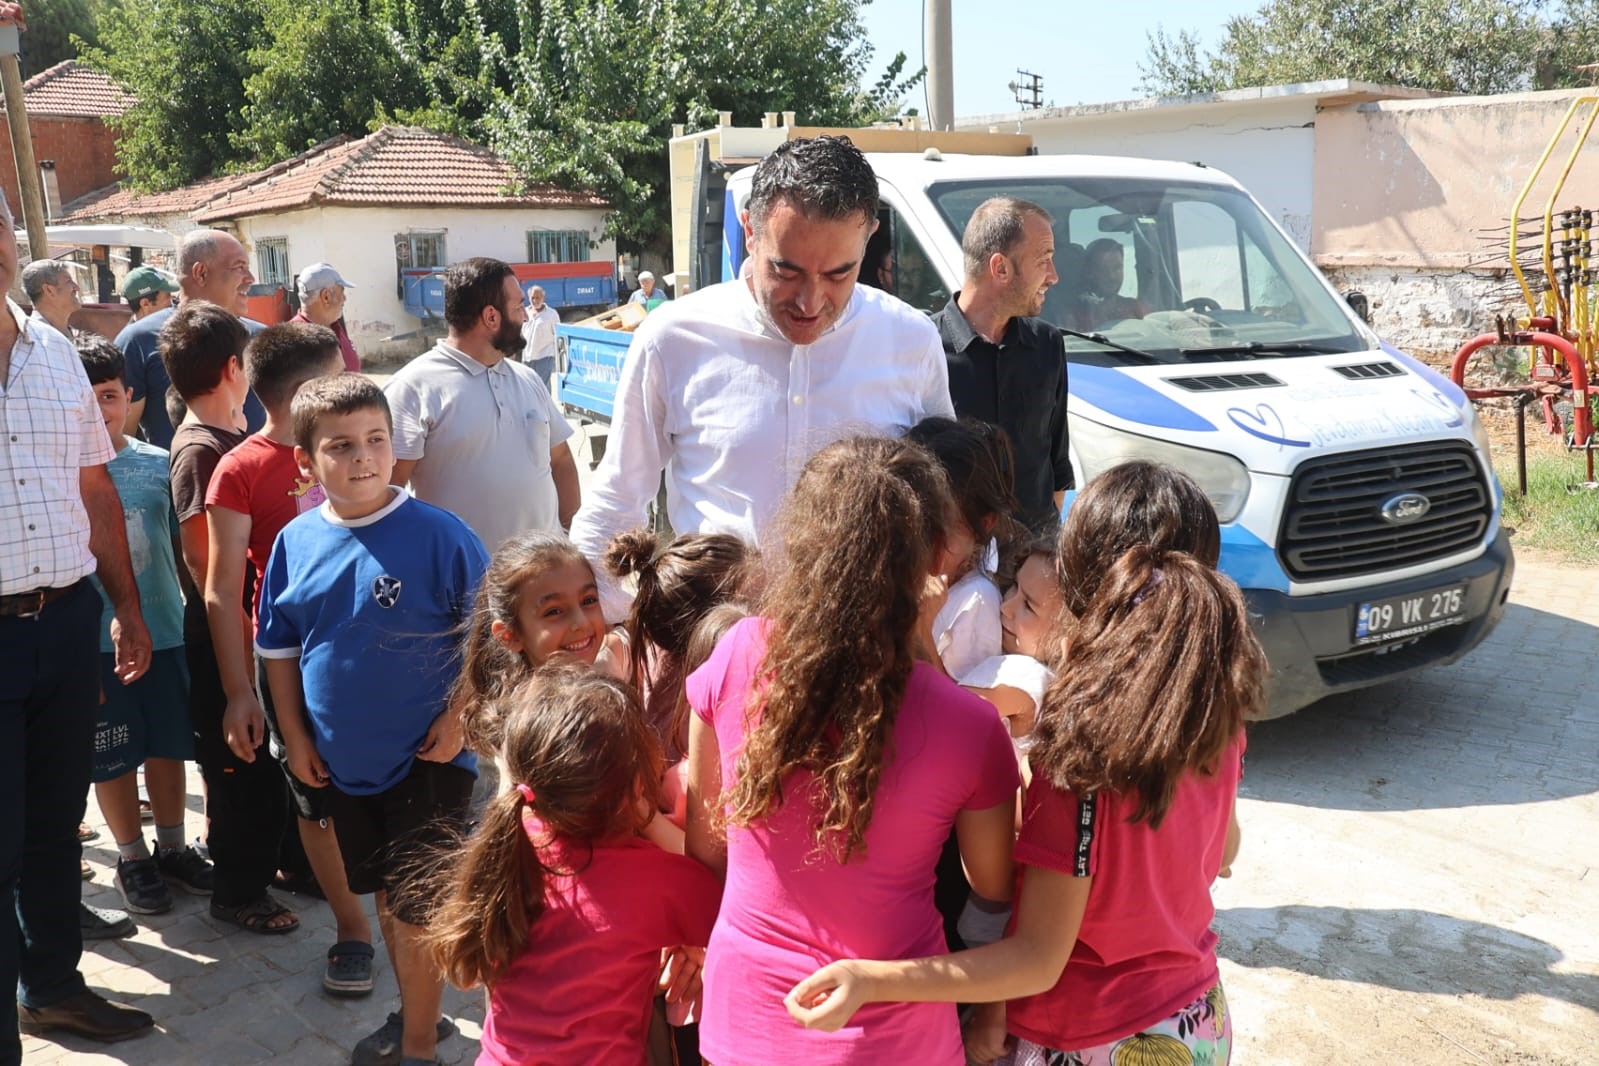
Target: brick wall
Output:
[(84, 150)]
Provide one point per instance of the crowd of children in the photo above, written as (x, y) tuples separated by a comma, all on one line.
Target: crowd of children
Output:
[(795, 809)]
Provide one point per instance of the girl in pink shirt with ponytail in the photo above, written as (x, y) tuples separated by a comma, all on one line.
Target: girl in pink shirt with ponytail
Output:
[(1129, 817)]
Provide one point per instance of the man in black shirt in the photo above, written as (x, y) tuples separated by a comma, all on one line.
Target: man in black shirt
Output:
[(1007, 366)]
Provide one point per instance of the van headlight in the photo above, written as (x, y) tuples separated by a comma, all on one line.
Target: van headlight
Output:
[(1224, 479), (1479, 433)]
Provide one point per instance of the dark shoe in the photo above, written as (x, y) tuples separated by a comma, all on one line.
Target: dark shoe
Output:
[(100, 923), (187, 869), (84, 871), (86, 1014), (143, 891), (263, 915), (349, 971), (382, 1048)]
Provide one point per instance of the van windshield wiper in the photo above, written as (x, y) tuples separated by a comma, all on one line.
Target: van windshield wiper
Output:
[(1267, 348), (1100, 338)]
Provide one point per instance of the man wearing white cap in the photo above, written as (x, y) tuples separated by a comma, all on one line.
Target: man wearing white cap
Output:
[(322, 302), (647, 293)]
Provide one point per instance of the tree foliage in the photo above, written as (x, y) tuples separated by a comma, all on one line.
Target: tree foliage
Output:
[(596, 88), (1468, 46), (581, 93), (52, 25)]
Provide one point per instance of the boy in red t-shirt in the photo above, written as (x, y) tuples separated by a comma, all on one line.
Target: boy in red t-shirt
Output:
[(256, 491)]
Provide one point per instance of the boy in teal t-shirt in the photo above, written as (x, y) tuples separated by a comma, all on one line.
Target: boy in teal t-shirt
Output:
[(146, 722)]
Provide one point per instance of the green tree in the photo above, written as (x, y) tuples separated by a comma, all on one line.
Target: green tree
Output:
[(185, 62), (324, 69), (1468, 46), (52, 25), (598, 84)]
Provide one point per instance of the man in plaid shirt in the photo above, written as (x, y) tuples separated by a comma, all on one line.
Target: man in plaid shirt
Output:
[(60, 521)]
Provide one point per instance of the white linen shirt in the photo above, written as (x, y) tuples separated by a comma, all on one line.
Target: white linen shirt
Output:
[(713, 395), (482, 436), (539, 332), (50, 428)]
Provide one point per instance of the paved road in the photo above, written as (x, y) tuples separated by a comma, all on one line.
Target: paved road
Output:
[(1419, 884)]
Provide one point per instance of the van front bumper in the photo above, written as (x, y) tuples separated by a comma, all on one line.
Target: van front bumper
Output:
[(1309, 640)]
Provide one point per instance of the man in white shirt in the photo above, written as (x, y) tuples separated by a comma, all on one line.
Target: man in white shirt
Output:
[(539, 334), (730, 390), (50, 288), (60, 521), (475, 431)]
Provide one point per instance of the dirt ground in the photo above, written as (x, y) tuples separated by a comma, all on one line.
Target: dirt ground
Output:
[(1420, 874)]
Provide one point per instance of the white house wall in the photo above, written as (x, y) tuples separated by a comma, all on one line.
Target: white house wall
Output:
[(1267, 145), (360, 242)]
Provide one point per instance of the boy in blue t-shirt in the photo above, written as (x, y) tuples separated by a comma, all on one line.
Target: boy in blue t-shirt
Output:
[(148, 721), (361, 606)]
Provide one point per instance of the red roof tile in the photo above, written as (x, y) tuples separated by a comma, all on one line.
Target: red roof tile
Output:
[(396, 166), (68, 89)]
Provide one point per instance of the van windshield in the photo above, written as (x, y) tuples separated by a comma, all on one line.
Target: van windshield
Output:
[(1180, 272)]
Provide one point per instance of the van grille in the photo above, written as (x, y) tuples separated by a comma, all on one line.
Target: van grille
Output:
[(1333, 526)]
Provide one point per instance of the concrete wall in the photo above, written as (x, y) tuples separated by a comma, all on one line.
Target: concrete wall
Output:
[(1423, 182), (1268, 145), (360, 243), (1412, 201)]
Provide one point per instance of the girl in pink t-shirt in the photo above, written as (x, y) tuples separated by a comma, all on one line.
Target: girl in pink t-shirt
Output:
[(559, 905), (837, 763), (1130, 814)]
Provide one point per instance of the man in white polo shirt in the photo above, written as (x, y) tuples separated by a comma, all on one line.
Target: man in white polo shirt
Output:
[(731, 389), (475, 432)]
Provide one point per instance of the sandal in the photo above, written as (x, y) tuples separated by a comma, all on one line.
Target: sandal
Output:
[(86, 833), (257, 916), (301, 884), (349, 971)]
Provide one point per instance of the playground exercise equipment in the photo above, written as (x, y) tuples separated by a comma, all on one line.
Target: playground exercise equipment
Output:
[(1558, 281)]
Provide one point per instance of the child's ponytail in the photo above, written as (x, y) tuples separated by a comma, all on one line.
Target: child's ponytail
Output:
[(583, 767), (495, 893)]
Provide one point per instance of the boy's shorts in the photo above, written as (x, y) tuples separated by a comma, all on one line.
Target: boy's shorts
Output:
[(148, 719), (308, 803), (392, 840)]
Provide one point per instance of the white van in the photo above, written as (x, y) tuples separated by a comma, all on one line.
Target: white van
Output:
[(1360, 513)]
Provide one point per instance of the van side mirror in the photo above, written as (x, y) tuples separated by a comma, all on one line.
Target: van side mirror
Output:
[(1359, 305)]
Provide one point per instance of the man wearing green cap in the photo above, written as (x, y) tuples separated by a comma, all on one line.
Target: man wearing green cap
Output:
[(147, 291)]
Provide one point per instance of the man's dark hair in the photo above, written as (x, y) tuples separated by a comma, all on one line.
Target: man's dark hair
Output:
[(996, 227), (281, 358), (102, 360), (147, 298), (334, 394), (470, 286), (196, 344), (822, 177)]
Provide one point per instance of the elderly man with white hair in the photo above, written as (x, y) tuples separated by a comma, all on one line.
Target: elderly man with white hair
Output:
[(213, 266), (539, 332), (321, 289), (53, 292)]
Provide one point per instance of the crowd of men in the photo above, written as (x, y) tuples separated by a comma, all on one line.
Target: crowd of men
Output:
[(726, 393)]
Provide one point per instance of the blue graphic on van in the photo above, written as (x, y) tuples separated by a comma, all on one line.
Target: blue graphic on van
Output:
[(1264, 422), (1450, 390), (1126, 397)]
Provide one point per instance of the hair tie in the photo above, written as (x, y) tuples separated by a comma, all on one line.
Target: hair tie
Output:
[(527, 793), (1155, 578)]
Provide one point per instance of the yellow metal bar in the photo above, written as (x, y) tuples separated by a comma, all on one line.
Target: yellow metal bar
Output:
[(1526, 190), (1549, 209)]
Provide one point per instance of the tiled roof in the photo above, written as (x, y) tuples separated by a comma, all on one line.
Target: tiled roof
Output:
[(68, 89), (398, 166), (117, 201)]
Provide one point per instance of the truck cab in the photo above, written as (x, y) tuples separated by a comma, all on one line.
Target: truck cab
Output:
[(1360, 513)]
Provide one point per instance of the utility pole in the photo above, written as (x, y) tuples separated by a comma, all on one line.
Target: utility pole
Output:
[(940, 65), (1028, 89), (22, 142)]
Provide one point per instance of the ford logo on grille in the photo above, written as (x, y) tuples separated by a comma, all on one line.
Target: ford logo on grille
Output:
[(1405, 508)]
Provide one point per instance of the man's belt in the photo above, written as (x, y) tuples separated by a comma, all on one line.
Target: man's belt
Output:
[(28, 604)]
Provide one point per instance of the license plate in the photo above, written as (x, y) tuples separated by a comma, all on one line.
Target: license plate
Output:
[(1398, 617)]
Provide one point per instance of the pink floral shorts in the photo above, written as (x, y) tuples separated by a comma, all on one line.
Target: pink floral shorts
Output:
[(1201, 1034)]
